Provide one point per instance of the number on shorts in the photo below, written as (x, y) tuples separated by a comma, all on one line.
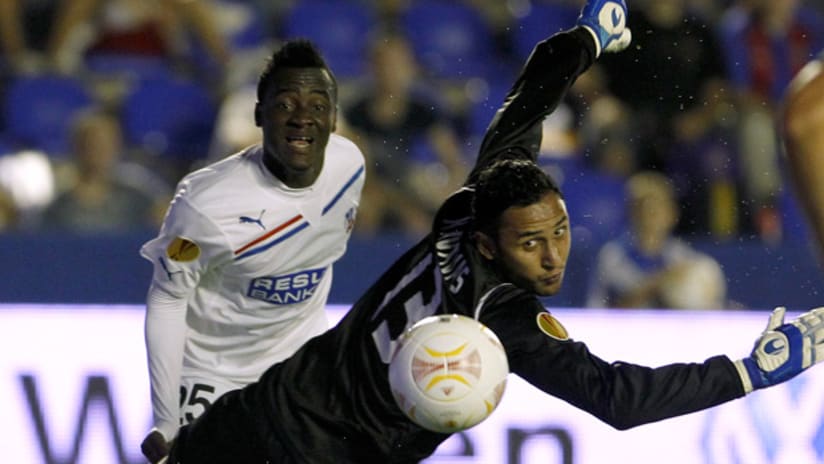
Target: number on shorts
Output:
[(195, 398)]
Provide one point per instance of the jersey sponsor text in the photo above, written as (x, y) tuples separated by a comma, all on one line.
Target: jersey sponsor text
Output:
[(286, 289)]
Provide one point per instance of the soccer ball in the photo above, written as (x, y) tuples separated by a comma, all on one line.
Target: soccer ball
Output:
[(448, 373)]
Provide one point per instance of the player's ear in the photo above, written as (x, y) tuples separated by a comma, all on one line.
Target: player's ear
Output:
[(486, 245), (258, 115)]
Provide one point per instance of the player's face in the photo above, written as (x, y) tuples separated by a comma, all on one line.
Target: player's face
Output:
[(533, 245), (296, 116)]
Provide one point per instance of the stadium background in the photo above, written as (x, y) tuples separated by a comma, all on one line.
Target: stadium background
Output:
[(45, 266)]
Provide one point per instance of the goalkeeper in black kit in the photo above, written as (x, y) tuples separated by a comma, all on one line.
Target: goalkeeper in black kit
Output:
[(496, 245)]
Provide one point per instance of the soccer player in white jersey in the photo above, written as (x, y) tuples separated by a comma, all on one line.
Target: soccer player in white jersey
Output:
[(243, 261)]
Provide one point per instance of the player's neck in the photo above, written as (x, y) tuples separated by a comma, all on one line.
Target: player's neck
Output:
[(292, 178)]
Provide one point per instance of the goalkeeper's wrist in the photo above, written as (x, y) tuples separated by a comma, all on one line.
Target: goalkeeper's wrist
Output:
[(595, 39), (751, 376)]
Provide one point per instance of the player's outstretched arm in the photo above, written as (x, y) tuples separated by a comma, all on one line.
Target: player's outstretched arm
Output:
[(783, 350), (606, 20)]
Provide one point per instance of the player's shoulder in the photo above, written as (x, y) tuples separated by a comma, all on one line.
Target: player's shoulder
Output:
[(228, 172), (501, 297), (342, 149), (456, 210)]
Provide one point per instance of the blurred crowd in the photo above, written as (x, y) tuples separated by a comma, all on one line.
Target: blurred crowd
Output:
[(105, 104)]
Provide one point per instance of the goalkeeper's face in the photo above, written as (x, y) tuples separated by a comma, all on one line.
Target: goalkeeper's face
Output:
[(532, 245)]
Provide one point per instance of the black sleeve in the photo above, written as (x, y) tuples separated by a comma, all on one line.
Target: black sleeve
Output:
[(623, 395), (550, 70)]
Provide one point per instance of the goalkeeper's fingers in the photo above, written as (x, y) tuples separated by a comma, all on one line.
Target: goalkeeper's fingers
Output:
[(620, 43), (776, 318), (811, 326)]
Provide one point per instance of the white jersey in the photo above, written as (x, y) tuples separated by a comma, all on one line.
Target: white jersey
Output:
[(252, 259)]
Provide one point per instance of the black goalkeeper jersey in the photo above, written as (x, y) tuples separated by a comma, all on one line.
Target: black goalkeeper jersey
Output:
[(331, 401)]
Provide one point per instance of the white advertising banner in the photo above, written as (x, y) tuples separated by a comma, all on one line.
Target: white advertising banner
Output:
[(74, 389)]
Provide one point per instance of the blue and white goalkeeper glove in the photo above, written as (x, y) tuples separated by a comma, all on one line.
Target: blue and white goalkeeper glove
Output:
[(784, 350), (606, 20)]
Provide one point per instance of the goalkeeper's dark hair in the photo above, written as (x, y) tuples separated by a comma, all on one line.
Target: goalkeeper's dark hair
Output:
[(297, 53), (506, 183)]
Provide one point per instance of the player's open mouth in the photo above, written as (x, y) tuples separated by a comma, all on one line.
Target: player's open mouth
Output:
[(299, 142)]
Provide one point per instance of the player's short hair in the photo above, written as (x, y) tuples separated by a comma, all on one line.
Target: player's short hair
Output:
[(297, 53), (506, 183)]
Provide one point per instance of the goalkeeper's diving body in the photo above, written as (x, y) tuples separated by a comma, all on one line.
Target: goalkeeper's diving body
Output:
[(496, 245)]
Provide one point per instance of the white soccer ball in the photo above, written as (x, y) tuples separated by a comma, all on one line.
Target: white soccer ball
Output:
[(448, 373)]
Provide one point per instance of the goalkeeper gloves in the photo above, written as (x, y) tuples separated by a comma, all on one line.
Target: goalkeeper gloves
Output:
[(606, 20), (783, 350)]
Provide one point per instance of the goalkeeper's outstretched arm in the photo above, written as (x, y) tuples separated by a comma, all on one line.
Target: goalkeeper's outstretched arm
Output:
[(552, 68)]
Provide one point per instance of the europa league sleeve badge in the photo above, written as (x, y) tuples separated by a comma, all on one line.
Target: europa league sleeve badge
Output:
[(182, 250)]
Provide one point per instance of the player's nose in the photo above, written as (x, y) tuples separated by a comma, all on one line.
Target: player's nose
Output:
[(551, 256)]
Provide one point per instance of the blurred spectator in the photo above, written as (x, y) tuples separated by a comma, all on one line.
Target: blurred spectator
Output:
[(27, 176), (25, 26), (648, 267), (396, 124), (673, 56), (101, 192), (234, 129), (9, 213), (765, 43), (501, 20), (137, 28), (705, 166), (607, 136)]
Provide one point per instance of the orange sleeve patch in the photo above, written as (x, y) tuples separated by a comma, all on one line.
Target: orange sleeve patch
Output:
[(182, 250), (551, 326)]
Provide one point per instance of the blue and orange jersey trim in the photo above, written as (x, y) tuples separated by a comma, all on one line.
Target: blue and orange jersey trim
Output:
[(292, 226)]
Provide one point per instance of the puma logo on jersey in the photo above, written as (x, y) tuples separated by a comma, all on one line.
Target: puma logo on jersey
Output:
[(249, 220), (286, 289)]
